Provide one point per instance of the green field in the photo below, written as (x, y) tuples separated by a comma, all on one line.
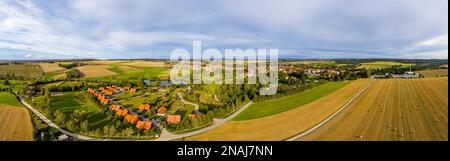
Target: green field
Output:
[(146, 72), (14, 84), (71, 101), (382, 64), (56, 75), (271, 107), (9, 99), (21, 72)]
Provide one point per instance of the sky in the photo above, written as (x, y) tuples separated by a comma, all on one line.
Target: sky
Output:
[(301, 29)]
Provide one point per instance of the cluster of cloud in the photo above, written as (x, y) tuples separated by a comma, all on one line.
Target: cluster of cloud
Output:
[(42, 29)]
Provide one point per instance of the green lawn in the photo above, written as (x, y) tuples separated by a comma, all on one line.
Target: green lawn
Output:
[(271, 107), (9, 99)]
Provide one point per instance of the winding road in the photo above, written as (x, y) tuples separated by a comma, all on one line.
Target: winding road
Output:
[(51, 124), (165, 135)]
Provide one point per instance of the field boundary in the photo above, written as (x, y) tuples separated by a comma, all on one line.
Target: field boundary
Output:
[(323, 122)]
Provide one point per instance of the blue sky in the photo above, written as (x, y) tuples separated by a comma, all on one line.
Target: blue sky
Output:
[(42, 29)]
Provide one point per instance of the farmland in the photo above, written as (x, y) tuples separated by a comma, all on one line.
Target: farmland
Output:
[(15, 124), (434, 73), (382, 64), (132, 73), (21, 72), (50, 67), (412, 109), (267, 108), (284, 125), (92, 71)]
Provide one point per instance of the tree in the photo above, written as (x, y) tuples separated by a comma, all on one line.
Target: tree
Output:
[(6, 83), (111, 131), (85, 126), (60, 118), (128, 132)]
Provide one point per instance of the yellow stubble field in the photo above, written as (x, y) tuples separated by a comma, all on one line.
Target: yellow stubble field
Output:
[(287, 124), (393, 110), (90, 71), (15, 124)]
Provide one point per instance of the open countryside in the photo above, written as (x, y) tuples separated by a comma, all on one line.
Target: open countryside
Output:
[(397, 109), (135, 100)]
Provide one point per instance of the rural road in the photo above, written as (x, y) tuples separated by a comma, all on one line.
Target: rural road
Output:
[(166, 135), (50, 123), (323, 122), (184, 101)]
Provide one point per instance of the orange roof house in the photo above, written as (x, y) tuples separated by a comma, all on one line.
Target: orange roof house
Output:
[(124, 112), (144, 107), (132, 90), (119, 112), (128, 118), (174, 119), (147, 125), (162, 110), (134, 118), (114, 107), (140, 125)]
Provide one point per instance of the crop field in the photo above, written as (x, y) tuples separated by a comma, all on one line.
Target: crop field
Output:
[(68, 102), (22, 72), (55, 75), (145, 64), (395, 109), (124, 73), (434, 73), (271, 107), (382, 64), (286, 124), (15, 123), (50, 67), (92, 71)]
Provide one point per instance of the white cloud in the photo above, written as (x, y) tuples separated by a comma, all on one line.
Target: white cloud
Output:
[(109, 28), (435, 41), (442, 54)]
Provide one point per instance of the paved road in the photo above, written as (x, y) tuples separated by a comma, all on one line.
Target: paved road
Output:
[(312, 129), (50, 123), (165, 135)]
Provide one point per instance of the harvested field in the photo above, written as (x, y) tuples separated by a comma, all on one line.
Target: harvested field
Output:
[(105, 62), (50, 67), (393, 110), (145, 64), (91, 71), (15, 123), (434, 73), (286, 124)]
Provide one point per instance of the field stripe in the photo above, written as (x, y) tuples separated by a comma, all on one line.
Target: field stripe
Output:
[(331, 116)]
